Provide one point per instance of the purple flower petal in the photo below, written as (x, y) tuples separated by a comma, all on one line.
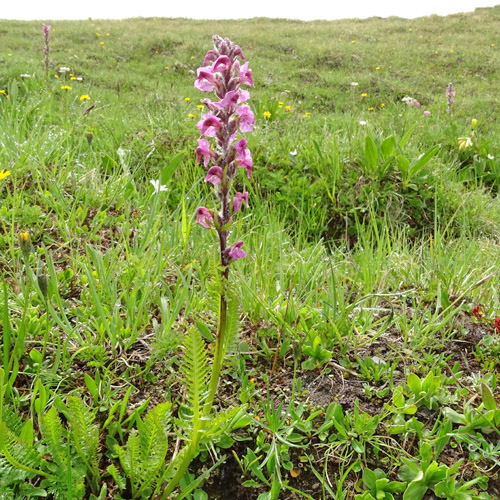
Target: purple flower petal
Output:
[(204, 217), (238, 199), (235, 252), (214, 175)]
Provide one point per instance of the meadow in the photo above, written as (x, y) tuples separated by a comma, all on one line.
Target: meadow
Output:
[(365, 316)]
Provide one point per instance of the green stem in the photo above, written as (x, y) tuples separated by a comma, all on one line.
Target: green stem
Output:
[(220, 351)]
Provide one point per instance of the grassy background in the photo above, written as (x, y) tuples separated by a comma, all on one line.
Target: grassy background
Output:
[(337, 250)]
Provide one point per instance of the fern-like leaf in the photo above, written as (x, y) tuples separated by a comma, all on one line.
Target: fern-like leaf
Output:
[(232, 322), (195, 370), (52, 431), (84, 435)]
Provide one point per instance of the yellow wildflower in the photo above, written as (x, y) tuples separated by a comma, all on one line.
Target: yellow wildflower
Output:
[(102, 43), (3, 91), (339, 39), (166, 67), (288, 108), (97, 34), (464, 143), (187, 99), (382, 104), (306, 115), (267, 115), (370, 109), (451, 51), (473, 123), (280, 104), (190, 115), (377, 68), (25, 244), (353, 41), (56, 76), (492, 44), (4, 173), (107, 34), (10, 55), (200, 106), (65, 87), (364, 94), (409, 29), (73, 78), (437, 52), (84, 97)]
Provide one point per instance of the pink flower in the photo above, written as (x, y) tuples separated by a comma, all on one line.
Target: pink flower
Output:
[(203, 150), (204, 217), (246, 118), (427, 113), (214, 175), (223, 63), (238, 199), (231, 99), (210, 56), (206, 81), (245, 75), (209, 125), (235, 252)]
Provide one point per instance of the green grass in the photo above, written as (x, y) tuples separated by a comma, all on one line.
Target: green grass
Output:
[(359, 347)]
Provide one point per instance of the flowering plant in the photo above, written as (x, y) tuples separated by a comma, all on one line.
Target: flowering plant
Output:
[(46, 47), (450, 96)]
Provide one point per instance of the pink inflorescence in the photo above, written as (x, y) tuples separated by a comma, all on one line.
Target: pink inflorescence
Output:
[(218, 147), (450, 96)]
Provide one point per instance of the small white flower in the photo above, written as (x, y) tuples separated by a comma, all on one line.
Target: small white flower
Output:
[(157, 186), (64, 69), (354, 84), (25, 75), (490, 157), (362, 123), (79, 78), (294, 152)]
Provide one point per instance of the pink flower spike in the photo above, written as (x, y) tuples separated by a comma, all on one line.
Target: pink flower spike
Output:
[(238, 199), (427, 113), (246, 118), (204, 217), (246, 75), (235, 252), (237, 52), (214, 175), (203, 150), (240, 146), (209, 125), (223, 63)]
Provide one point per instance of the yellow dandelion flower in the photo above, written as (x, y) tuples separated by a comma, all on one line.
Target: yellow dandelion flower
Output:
[(71, 74), (56, 76), (10, 55), (156, 52), (200, 106), (84, 97), (382, 105), (409, 29), (420, 36), (107, 34), (73, 78), (267, 115), (4, 173), (190, 115), (280, 104), (377, 68), (364, 94), (492, 44), (353, 41), (370, 109), (102, 43), (437, 52), (339, 39), (3, 91), (187, 99), (288, 108), (306, 115), (65, 87), (166, 67), (97, 34), (451, 51), (374, 39)]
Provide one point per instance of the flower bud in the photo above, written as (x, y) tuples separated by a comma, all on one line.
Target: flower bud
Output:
[(474, 123), (25, 244), (90, 136), (43, 283)]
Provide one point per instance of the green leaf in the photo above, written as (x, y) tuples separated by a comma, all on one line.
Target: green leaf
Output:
[(371, 152), (169, 170), (388, 145), (423, 160), (487, 397), (404, 140), (414, 383), (370, 479), (91, 386), (205, 331), (415, 491)]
